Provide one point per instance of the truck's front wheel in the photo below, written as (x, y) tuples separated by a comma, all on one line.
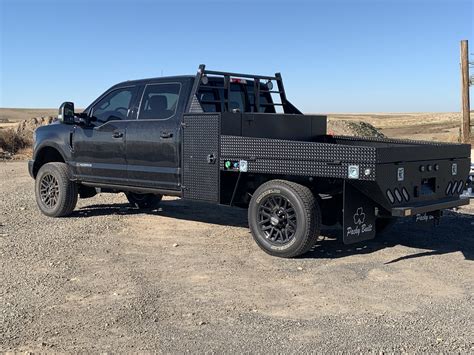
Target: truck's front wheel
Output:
[(284, 218), (56, 194)]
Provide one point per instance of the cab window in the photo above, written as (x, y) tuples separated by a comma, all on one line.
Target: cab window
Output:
[(209, 99), (113, 106), (237, 98), (159, 101), (265, 100), (212, 99), (241, 97)]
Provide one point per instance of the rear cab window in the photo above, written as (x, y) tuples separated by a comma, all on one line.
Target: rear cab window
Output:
[(241, 97)]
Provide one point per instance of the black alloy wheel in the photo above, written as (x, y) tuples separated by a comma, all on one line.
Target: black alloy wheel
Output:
[(49, 190), (284, 218), (277, 219)]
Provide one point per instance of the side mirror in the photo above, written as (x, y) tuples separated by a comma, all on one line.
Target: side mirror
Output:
[(66, 112), (82, 120)]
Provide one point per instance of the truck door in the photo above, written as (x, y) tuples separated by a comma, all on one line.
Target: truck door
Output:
[(153, 139), (98, 150)]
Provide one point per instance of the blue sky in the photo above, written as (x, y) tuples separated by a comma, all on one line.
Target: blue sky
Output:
[(335, 56)]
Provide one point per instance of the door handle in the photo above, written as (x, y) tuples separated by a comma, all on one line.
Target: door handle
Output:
[(117, 134), (166, 135)]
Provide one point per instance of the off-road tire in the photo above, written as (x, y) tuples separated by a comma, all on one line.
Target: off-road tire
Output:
[(144, 201), (307, 211), (67, 190)]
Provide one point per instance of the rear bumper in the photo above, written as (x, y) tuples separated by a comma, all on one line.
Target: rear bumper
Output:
[(407, 211), (31, 163), (469, 192)]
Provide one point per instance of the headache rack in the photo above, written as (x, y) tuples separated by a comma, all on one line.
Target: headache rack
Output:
[(229, 78)]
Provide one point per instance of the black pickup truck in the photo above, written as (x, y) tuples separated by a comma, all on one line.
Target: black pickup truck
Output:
[(235, 139)]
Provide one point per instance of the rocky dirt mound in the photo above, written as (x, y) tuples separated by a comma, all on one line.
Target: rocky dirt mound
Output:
[(353, 128), (13, 140), (26, 128)]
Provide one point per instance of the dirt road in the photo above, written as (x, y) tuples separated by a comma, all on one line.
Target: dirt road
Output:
[(188, 277)]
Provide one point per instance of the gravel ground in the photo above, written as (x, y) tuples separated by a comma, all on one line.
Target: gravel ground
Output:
[(188, 277)]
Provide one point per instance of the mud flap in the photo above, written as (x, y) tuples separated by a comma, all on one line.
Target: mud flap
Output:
[(358, 216)]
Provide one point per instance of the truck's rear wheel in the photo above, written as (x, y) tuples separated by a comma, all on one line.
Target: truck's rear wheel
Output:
[(284, 218), (56, 194), (145, 201)]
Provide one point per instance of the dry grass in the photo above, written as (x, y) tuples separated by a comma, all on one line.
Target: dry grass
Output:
[(12, 141), (16, 130)]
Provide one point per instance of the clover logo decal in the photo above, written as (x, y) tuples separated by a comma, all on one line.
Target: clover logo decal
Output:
[(359, 216)]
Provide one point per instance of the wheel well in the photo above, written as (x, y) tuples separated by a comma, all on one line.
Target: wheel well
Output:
[(46, 155), (250, 182), (327, 192)]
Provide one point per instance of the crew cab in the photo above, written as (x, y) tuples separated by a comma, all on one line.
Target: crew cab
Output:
[(235, 139)]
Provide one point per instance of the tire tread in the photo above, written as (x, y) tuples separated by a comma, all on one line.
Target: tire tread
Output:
[(68, 187), (311, 209)]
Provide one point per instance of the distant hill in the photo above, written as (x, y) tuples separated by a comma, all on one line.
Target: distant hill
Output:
[(20, 114)]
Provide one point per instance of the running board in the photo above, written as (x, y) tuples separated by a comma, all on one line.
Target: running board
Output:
[(134, 189)]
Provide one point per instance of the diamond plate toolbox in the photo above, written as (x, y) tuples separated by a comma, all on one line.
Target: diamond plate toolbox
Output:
[(201, 134), (277, 156)]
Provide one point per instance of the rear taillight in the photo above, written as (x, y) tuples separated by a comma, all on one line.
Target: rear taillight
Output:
[(398, 195), (448, 188), (406, 195), (390, 196), (455, 187)]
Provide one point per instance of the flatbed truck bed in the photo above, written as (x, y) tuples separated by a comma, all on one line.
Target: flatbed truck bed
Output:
[(235, 139)]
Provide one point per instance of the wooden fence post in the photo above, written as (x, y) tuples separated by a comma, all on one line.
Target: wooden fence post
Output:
[(466, 113)]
